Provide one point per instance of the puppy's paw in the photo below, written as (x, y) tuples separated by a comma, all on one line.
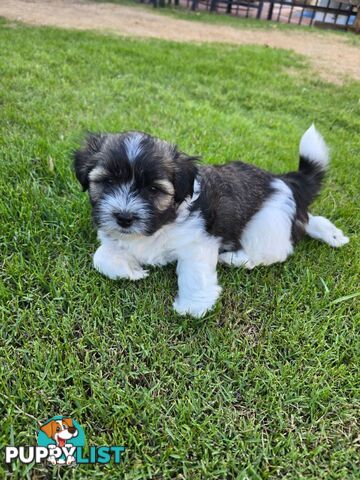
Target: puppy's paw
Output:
[(322, 229), (236, 259), (336, 238), (183, 308), (138, 274), (117, 265), (70, 459), (196, 306)]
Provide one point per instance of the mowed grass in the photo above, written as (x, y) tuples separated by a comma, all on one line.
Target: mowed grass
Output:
[(266, 385)]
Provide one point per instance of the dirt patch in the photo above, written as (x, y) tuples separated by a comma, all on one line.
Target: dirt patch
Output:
[(330, 55)]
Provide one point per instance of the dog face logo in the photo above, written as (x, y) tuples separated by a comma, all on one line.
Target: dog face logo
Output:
[(60, 430), (62, 435)]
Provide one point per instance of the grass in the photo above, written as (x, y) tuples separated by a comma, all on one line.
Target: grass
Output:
[(265, 386)]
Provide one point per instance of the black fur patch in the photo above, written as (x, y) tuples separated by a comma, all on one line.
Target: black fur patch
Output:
[(305, 185), (230, 195), (85, 159)]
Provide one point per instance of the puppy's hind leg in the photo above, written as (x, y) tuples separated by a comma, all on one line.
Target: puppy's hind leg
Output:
[(322, 229), (236, 259)]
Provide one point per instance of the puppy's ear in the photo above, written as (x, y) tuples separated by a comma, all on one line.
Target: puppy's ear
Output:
[(68, 421), (85, 158), (49, 428), (70, 425), (185, 172)]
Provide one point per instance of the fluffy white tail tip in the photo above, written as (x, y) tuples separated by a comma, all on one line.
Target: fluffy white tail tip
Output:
[(314, 148)]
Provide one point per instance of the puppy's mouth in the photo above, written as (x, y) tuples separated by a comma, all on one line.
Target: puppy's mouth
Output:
[(117, 231), (125, 232)]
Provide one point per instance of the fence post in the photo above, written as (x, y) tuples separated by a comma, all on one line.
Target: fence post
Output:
[(260, 7), (213, 5), (229, 6), (161, 3), (194, 5), (356, 24), (271, 8)]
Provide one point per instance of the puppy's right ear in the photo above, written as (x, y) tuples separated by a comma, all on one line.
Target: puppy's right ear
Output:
[(85, 159)]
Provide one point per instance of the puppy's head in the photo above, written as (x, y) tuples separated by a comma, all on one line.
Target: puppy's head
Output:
[(135, 181)]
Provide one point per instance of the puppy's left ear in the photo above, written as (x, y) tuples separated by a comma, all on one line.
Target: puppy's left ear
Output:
[(185, 173), (85, 159), (49, 428)]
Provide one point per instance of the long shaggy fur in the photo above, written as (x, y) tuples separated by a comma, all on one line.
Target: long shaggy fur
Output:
[(153, 204)]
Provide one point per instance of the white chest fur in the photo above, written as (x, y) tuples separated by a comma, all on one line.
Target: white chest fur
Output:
[(162, 247), (184, 241)]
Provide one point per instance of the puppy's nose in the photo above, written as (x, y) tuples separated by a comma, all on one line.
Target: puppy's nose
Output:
[(72, 429), (124, 219)]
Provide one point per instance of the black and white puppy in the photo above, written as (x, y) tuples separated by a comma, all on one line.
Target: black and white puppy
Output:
[(153, 204)]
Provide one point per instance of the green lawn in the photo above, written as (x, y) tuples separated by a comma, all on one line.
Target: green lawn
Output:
[(266, 386)]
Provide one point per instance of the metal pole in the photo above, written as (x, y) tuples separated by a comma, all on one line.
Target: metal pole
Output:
[(213, 5), (270, 12), (260, 7)]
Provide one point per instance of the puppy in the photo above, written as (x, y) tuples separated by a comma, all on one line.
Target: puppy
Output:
[(153, 204), (60, 431)]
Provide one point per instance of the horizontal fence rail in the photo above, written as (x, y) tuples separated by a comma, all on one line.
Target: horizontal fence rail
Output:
[(300, 12), (321, 13)]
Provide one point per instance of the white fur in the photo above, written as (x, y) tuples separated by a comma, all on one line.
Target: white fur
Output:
[(321, 228), (184, 241), (113, 262), (133, 145), (236, 259), (122, 200), (314, 148), (97, 173), (266, 239)]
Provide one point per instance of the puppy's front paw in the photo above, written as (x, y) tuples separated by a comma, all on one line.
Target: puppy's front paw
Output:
[(70, 459), (116, 265), (195, 307)]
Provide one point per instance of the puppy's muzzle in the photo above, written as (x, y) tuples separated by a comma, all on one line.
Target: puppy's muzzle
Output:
[(72, 430), (125, 219)]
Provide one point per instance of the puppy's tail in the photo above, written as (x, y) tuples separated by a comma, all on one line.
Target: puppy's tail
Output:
[(314, 159)]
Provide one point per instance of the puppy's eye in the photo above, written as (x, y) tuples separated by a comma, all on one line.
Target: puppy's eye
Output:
[(154, 189), (58, 429)]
